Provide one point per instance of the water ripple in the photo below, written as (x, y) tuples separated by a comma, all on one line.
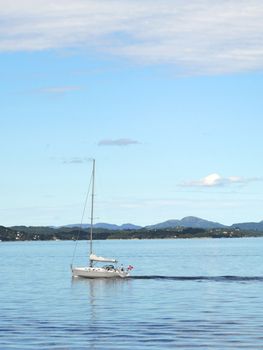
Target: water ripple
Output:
[(201, 278)]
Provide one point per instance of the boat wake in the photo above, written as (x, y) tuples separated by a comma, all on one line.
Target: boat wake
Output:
[(201, 278)]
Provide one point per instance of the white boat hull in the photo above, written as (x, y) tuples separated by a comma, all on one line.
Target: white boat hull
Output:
[(98, 272)]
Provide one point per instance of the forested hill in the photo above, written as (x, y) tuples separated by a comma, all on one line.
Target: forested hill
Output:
[(41, 233)]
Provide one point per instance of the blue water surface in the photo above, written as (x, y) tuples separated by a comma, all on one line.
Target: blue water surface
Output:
[(183, 294)]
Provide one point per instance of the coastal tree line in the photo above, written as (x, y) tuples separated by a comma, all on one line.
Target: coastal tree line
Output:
[(41, 233)]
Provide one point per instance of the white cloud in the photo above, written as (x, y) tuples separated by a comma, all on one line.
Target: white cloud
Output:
[(215, 180), (196, 36), (117, 142)]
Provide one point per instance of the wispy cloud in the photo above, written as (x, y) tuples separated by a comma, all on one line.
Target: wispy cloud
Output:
[(196, 36), (57, 90), (76, 160), (117, 142), (216, 180)]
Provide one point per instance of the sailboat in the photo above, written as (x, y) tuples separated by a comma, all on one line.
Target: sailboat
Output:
[(111, 270)]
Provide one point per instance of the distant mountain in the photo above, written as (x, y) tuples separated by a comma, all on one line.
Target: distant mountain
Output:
[(107, 226), (255, 226), (188, 221), (130, 227)]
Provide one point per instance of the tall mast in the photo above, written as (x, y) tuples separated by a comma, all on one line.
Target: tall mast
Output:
[(92, 209)]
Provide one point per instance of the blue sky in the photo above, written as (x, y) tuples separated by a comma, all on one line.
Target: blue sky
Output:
[(165, 95)]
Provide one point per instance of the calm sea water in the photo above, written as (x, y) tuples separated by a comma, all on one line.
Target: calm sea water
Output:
[(184, 294)]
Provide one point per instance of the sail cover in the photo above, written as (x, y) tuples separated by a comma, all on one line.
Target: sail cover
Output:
[(94, 257)]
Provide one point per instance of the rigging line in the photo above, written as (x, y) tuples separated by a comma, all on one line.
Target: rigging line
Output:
[(81, 222)]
